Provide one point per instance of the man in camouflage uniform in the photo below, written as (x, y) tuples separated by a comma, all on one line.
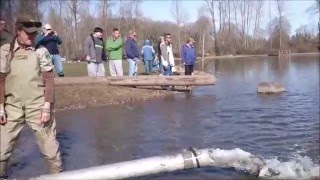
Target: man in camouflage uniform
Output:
[(26, 95)]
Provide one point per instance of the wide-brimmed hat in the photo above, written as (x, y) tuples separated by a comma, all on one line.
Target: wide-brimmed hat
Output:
[(28, 23)]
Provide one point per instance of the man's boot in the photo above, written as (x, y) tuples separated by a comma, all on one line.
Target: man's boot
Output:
[(55, 165), (61, 75)]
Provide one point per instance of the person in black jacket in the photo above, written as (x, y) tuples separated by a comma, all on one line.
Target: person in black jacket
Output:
[(50, 40), (132, 53)]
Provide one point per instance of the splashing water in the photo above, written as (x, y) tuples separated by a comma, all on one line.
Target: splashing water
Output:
[(238, 159), (298, 168)]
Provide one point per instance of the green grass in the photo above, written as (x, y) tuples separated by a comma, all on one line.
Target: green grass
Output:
[(80, 69)]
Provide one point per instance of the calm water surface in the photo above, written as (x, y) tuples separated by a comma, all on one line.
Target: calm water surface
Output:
[(228, 115)]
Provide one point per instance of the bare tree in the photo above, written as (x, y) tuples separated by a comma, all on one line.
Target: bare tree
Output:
[(243, 21), (280, 8), (74, 7), (179, 15), (136, 12), (105, 7), (220, 9), (201, 25), (229, 14), (6, 11), (121, 12), (211, 7), (258, 12), (314, 10), (236, 7), (270, 29), (248, 21)]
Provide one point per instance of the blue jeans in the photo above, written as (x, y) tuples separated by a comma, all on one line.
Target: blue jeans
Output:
[(148, 66), (133, 66), (167, 71), (56, 61), (160, 65)]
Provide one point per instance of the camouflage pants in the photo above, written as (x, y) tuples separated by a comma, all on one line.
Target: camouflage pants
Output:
[(45, 136)]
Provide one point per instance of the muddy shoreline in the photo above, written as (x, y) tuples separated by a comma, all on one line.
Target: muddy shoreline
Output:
[(97, 95), (75, 93)]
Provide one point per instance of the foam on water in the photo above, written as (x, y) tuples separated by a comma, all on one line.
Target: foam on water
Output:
[(238, 159), (297, 168)]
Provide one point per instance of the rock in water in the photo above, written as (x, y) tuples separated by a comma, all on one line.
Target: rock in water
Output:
[(270, 87)]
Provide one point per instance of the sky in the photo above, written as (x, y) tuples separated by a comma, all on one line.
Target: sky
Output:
[(295, 11)]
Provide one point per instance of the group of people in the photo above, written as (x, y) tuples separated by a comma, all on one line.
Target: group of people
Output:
[(97, 50), (114, 50)]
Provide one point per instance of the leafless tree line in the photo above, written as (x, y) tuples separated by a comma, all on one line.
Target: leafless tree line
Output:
[(240, 28), (230, 27)]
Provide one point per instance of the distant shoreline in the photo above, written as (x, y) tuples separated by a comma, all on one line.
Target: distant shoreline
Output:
[(258, 55), (306, 54)]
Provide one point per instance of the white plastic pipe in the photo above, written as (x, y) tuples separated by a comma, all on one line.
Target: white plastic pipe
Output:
[(191, 158)]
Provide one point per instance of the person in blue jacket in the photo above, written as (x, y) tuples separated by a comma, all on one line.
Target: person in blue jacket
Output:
[(50, 40), (148, 54), (188, 56), (132, 53)]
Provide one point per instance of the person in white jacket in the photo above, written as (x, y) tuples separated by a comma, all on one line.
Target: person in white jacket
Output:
[(167, 57)]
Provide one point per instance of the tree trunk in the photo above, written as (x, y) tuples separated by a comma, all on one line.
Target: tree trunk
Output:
[(229, 16), (248, 23), (211, 8), (179, 39), (220, 14), (202, 58), (243, 25), (236, 21), (104, 13), (280, 31), (11, 25), (121, 14), (270, 30), (60, 9)]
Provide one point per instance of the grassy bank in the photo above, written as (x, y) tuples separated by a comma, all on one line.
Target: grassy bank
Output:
[(80, 69), (95, 95)]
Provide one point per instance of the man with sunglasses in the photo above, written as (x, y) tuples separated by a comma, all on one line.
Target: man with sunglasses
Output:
[(50, 40), (27, 95)]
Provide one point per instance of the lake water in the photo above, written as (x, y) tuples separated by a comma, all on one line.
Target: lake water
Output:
[(282, 128)]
